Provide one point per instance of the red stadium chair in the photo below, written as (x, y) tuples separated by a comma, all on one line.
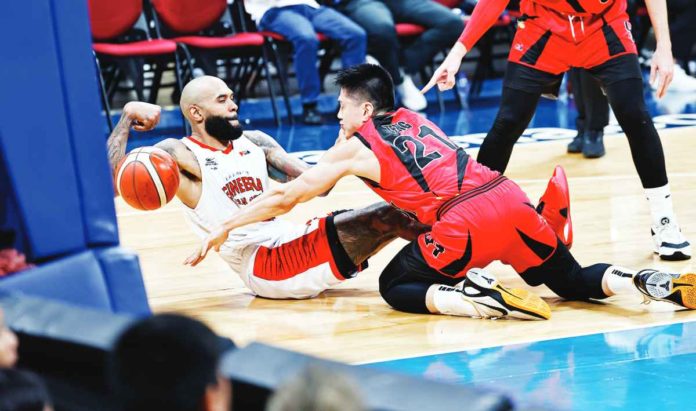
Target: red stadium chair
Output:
[(208, 32), (124, 44)]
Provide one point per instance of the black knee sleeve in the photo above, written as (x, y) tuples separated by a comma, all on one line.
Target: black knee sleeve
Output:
[(400, 289), (564, 276)]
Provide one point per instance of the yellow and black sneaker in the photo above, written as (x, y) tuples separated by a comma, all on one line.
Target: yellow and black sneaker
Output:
[(492, 300), (679, 289)]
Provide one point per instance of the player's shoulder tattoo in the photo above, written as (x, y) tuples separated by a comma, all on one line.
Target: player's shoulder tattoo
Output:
[(172, 146), (261, 139)]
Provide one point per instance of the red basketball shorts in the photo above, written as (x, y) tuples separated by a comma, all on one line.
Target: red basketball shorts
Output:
[(495, 222), (539, 47)]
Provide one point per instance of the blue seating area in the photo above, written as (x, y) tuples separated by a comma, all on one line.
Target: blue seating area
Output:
[(56, 193)]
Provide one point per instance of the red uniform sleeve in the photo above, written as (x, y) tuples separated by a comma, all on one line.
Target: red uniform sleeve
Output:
[(485, 14)]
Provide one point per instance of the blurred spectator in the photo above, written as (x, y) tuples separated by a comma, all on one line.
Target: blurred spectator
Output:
[(23, 391), (12, 261), (8, 344), (317, 389), (169, 362), (593, 114), (378, 18), (299, 21)]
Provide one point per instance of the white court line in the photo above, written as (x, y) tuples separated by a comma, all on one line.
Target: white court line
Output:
[(519, 180)]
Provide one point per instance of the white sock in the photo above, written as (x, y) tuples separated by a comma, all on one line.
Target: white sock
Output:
[(618, 280), (661, 209), (443, 299)]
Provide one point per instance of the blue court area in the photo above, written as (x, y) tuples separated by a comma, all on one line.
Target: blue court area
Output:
[(643, 369)]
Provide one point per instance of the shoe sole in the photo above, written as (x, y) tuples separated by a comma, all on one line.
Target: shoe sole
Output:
[(675, 256), (525, 302), (685, 285), (593, 155)]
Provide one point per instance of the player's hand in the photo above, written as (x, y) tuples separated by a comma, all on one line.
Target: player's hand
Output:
[(144, 116), (662, 69), (444, 76), (214, 240)]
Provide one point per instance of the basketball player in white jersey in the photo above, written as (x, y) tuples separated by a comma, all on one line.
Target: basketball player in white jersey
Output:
[(223, 168)]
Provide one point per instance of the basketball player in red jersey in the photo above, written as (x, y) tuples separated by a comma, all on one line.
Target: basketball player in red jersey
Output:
[(555, 35), (223, 168), (477, 216)]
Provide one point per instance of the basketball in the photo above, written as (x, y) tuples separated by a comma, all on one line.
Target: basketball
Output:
[(147, 178)]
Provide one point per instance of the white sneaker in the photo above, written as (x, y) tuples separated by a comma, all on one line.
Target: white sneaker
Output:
[(491, 300), (411, 97), (670, 243)]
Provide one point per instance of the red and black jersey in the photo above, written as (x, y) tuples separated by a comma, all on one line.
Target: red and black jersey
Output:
[(420, 167), (570, 19)]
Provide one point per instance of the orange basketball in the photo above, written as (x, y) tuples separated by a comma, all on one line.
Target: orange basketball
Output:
[(147, 178)]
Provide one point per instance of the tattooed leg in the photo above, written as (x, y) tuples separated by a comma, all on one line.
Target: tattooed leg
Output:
[(365, 231)]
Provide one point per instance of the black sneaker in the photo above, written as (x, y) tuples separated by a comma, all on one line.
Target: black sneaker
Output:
[(679, 289), (593, 144), (311, 116), (575, 146)]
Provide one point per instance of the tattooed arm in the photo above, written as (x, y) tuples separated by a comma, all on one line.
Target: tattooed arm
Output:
[(282, 167), (140, 116)]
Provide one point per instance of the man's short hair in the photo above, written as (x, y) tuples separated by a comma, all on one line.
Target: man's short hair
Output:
[(22, 390), (164, 362), (370, 82)]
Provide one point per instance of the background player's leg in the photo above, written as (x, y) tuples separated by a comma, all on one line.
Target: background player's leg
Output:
[(626, 99), (575, 146), (596, 108), (365, 231), (516, 111)]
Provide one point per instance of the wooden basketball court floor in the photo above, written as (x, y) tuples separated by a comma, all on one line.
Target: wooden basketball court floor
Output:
[(352, 324)]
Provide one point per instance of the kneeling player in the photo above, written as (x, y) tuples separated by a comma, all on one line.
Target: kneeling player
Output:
[(477, 216)]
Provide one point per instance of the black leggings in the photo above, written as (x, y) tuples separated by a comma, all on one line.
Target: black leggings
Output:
[(405, 281), (626, 99), (590, 101)]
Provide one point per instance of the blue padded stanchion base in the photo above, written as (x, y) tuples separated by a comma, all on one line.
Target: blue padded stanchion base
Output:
[(106, 279)]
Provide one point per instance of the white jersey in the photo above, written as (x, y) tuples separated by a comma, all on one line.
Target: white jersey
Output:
[(231, 178)]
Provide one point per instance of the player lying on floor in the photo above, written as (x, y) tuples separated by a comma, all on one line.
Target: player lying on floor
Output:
[(477, 216), (223, 168)]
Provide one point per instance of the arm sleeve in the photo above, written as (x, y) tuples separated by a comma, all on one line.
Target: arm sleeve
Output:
[(485, 14)]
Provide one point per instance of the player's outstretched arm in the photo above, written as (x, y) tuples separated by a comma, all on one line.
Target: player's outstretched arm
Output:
[(662, 65), (482, 19), (339, 161), (282, 167), (142, 117)]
